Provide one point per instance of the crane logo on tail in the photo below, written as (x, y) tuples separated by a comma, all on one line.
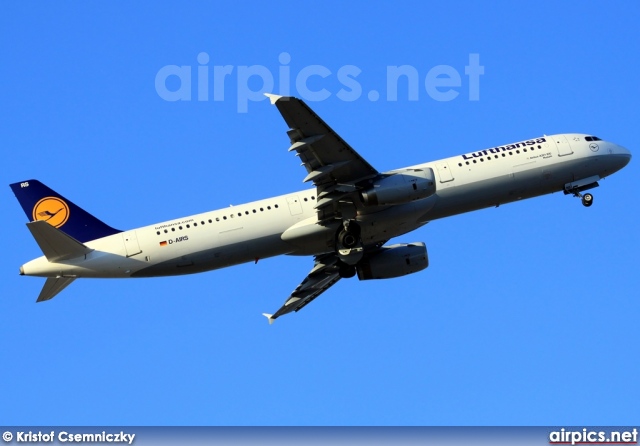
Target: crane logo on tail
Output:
[(52, 210)]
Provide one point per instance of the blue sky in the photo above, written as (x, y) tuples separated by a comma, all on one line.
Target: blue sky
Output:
[(527, 315)]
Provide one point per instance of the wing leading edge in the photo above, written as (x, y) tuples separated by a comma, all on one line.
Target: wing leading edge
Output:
[(332, 165)]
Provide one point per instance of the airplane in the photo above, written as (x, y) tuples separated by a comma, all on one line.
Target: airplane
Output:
[(344, 222)]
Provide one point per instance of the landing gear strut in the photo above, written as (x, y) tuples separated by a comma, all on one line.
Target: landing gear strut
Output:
[(576, 187), (587, 199)]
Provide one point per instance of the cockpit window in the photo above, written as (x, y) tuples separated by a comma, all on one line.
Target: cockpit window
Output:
[(592, 138)]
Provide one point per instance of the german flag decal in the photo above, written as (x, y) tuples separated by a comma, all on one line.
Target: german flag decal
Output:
[(163, 243)]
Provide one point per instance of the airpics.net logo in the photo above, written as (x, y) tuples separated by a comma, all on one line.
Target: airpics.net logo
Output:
[(206, 82)]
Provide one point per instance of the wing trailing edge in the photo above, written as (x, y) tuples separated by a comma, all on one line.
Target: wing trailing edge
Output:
[(325, 273)]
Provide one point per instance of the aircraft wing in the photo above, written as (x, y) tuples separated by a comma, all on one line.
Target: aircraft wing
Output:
[(332, 164), (320, 278)]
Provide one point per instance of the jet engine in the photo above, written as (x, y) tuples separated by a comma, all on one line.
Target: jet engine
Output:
[(394, 261), (400, 187)]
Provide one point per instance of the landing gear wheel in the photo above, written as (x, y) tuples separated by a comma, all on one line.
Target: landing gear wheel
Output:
[(349, 235), (347, 239), (587, 200), (349, 247), (347, 271)]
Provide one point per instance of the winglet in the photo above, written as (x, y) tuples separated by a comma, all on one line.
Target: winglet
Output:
[(268, 316), (272, 97)]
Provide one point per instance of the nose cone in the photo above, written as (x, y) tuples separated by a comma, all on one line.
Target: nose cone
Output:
[(624, 154)]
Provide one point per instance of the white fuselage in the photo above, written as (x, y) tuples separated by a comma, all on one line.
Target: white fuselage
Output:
[(252, 231)]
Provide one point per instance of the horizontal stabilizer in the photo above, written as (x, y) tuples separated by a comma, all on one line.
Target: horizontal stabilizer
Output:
[(55, 244), (268, 316), (53, 286)]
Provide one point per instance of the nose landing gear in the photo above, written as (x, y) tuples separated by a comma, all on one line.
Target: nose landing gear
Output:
[(575, 188), (587, 199)]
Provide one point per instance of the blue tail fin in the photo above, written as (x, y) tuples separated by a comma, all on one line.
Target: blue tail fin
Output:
[(41, 203)]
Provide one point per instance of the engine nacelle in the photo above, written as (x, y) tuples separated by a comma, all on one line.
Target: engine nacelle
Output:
[(394, 261), (401, 187)]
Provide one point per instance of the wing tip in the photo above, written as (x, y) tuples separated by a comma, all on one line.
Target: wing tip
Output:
[(273, 98), (269, 317)]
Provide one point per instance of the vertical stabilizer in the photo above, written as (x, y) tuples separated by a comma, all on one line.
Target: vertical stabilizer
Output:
[(42, 203)]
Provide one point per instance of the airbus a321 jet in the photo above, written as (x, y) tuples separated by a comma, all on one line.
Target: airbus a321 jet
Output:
[(344, 222)]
